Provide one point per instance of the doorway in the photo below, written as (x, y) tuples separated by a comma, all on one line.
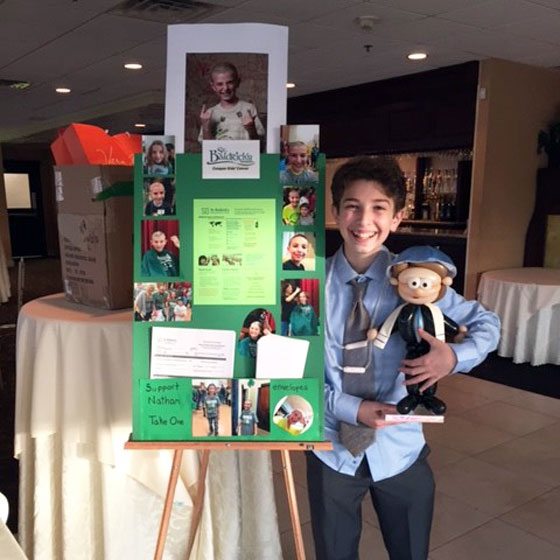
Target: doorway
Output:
[(25, 208)]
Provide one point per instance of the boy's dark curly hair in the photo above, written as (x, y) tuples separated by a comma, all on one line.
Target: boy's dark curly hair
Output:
[(382, 170)]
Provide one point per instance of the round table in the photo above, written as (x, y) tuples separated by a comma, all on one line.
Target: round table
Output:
[(81, 494), (527, 301)]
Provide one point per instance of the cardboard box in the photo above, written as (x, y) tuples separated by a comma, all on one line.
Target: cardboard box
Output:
[(95, 236)]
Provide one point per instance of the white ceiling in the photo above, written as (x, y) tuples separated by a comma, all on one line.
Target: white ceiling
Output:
[(83, 44)]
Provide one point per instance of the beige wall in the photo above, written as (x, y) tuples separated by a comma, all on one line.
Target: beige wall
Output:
[(4, 224), (520, 100)]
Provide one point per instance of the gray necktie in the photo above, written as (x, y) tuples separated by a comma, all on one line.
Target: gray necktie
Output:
[(357, 438)]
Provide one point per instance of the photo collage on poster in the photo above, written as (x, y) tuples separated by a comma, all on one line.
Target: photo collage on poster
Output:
[(299, 180), (239, 261), (159, 300)]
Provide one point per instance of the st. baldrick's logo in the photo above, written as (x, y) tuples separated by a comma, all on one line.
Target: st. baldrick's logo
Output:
[(221, 155)]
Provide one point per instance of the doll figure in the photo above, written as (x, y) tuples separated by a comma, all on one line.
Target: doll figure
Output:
[(420, 276)]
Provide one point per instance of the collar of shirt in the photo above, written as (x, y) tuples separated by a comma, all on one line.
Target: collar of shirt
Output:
[(344, 272)]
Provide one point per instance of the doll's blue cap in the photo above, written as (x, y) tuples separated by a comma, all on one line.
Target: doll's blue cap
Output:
[(424, 254)]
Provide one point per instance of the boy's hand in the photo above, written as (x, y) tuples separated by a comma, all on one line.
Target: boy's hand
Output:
[(175, 240), (248, 123), (431, 367), (461, 334), (372, 414), (205, 120)]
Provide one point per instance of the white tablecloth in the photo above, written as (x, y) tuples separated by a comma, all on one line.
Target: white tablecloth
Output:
[(5, 291), (81, 494), (528, 303), (9, 548)]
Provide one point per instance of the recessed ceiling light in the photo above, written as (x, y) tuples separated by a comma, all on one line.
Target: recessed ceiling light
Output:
[(140, 125), (290, 85), (63, 90), (133, 66), (417, 56)]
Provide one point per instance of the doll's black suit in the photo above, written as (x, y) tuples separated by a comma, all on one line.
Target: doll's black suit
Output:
[(410, 318)]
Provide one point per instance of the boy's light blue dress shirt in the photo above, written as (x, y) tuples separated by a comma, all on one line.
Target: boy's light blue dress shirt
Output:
[(395, 447)]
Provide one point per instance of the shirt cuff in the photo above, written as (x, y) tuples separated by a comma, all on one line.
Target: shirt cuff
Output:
[(347, 408), (466, 356)]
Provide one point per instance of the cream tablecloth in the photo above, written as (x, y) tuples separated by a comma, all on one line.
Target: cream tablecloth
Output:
[(9, 548), (528, 303), (82, 496)]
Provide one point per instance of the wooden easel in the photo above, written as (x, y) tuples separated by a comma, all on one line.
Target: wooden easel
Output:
[(206, 447)]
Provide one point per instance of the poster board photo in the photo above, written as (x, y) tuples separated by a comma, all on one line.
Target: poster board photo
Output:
[(258, 52), (227, 98)]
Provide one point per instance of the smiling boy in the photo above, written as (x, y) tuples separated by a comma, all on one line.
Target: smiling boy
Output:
[(156, 204), (291, 212), (158, 261), (231, 118), (298, 172), (388, 460), (297, 249)]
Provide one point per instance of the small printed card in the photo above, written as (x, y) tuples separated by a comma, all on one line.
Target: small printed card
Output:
[(231, 159), (178, 352)]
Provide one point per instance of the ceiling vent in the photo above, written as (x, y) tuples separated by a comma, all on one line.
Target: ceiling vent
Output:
[(166, 11), (14, 84)]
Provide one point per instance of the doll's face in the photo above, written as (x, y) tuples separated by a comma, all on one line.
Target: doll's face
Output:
[(419, 285)]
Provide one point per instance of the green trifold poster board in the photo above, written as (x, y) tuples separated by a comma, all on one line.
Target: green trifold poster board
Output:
[(220, 260)]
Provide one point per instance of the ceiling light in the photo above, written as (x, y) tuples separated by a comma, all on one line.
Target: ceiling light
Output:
[(140, 125), (417, 56), (63, 90), (133, 66), (290, 85)]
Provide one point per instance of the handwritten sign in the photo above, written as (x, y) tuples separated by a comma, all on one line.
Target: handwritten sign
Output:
[(165, 407)]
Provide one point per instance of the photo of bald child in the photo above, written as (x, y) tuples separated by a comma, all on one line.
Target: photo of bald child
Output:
[(159, 197), (226, 98)]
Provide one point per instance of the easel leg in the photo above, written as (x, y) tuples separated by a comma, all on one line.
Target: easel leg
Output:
[(177, 458), (292, 502), (197, 507)]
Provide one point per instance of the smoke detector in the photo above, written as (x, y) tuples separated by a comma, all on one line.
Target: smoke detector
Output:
[(366, 23)]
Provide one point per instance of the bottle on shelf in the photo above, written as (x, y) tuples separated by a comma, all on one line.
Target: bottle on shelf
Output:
[(410, 192)]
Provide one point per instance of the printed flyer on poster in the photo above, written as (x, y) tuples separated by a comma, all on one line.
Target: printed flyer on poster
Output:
[(191, 353), (234, 263)]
